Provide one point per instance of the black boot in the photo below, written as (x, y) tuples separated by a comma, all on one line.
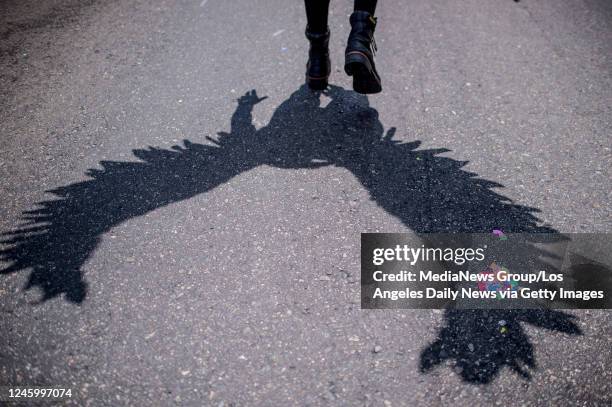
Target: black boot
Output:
[(359, 54), (318, 67)]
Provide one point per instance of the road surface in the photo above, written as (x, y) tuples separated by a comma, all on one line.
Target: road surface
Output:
[(181, 218)]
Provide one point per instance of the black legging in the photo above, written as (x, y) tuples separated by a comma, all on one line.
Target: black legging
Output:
[(317, 10)]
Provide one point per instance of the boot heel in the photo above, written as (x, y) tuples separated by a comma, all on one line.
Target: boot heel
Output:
[(316, 83), (365, 78), (355, 62)]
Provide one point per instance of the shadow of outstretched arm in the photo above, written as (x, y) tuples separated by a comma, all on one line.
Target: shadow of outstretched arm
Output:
[(429, 193), (57, 238)]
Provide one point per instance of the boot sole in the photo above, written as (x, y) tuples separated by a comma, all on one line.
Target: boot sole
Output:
[(365, 78), (316, 83)]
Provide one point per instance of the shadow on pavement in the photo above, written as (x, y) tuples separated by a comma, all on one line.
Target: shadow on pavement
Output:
[(428, 192), (475, 341)]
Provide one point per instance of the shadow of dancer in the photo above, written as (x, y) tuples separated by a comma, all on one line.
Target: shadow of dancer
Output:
[(426, 191)]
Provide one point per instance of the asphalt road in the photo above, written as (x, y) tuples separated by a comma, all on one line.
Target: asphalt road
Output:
[(177, 239)]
